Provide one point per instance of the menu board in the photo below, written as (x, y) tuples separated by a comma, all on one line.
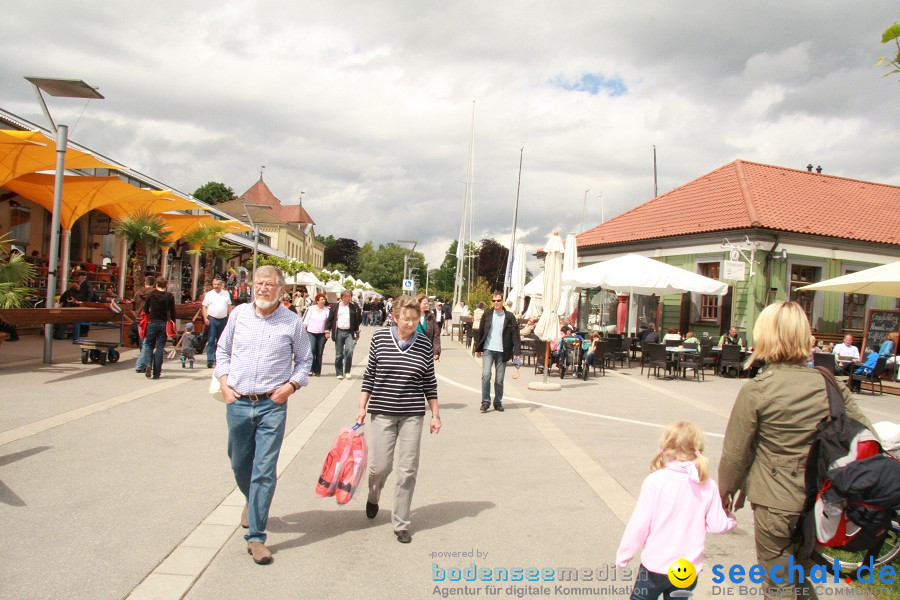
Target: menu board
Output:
[(878, 324)]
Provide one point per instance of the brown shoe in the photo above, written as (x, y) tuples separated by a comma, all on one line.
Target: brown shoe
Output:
[(245, 523), (259, 552)]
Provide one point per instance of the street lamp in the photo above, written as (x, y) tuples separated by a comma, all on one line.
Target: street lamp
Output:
[(255, 233), (62, 88), (406, 257)]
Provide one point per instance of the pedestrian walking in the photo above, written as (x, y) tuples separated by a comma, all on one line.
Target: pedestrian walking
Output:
[(448, 316), (159, 307), (770, 431), (343, 323), (314, 320), (678, 505), (427, 325), (216, 308), (137, 305), (398, 382), (263, 357), (498, 342)]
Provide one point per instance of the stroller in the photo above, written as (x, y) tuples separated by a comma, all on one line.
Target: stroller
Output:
[(569, 357)]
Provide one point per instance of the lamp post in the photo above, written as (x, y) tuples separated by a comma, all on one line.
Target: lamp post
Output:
[(406, 257), (255, 226), (62, 88)]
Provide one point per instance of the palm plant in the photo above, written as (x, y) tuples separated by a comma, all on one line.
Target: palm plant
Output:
[(207, 240), (145, 231), (15, 274)]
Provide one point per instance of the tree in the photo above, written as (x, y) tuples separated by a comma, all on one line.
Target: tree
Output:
[(214, 192), (490, 263), (325, 241), (343, 251), (891, 34), (15, 274), (145, 232), (207, 240), (383, 268), (441, 279)]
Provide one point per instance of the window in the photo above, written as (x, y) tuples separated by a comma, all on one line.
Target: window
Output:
[(19, 224), (709, 305), (854, 315), (804, 275)]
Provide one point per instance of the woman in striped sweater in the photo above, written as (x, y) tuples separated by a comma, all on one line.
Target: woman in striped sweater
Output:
[(397, 383)]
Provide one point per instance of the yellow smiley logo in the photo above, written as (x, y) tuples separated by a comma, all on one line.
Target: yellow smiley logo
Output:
[(682, 573)]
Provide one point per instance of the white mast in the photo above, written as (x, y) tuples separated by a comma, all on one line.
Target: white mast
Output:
[(512, 237), (465, 228)]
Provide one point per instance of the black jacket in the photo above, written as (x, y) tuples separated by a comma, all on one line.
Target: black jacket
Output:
[(160, 306), (511, 342), (355, 318)]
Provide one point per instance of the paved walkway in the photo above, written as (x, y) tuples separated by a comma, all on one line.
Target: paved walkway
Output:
[(113, 486)]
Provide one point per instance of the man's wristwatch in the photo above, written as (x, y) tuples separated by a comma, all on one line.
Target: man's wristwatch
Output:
[(293, 385)]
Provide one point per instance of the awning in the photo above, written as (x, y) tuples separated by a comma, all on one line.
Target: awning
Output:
[(23, 152), (109, 195), (178, 225)]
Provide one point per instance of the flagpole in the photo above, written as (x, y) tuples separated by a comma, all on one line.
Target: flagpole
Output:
[(512, 238)]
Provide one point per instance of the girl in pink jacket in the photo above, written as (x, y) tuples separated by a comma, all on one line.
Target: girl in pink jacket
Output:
[(678, 504)]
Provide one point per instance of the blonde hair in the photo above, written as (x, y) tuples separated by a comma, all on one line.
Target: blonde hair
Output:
[(403, 303), (782, 334), (681, 441), (893, 337)]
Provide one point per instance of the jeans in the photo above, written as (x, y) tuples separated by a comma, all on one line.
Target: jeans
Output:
[(403, 434), (492, 358), (156, 339), (316, 348), (145, 356), (255, 433), (343, 350), (649, 586), (216, 327)]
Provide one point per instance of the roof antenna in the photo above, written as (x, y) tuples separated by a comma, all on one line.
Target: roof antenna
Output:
[(261, 169)]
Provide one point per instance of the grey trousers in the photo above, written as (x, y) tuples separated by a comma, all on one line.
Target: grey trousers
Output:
[(405, 435)]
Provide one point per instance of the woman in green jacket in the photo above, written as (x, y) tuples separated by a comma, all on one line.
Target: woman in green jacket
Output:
[(769, 434)]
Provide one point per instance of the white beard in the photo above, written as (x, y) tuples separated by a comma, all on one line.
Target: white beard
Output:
[(266, 304)]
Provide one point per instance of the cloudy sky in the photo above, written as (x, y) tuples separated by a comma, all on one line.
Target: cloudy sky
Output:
[(366, 107)]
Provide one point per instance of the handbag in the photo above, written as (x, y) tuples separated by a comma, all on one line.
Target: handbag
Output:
[(142, 325), (215, 389)]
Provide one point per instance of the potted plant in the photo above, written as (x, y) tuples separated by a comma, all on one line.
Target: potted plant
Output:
[(15, 274)]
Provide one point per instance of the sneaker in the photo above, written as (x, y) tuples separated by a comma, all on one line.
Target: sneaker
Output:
[(182, 364), (347, 376), (403, 536), (339, 376), (209, 365), (485, 407), (371, 509), (148, 371)]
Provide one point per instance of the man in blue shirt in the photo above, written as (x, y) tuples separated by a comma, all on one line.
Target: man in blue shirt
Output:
[(498, 341)]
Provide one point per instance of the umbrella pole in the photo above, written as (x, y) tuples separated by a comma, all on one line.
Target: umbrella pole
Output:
[(546, 360)]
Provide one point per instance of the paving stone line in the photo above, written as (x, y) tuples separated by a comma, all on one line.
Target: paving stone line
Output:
[(174, 576)]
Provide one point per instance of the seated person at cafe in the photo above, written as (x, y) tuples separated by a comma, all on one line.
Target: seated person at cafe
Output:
[(672, 336), (889, 345), (846, 354), (871, 358), (690, 338), (731, 337), (649, 334), (528, 329)]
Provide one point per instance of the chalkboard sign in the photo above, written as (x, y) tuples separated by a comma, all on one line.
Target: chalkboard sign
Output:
[(879, 324)]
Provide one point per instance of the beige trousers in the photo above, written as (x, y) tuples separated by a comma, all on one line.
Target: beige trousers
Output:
[(772, 536), (403, 434)]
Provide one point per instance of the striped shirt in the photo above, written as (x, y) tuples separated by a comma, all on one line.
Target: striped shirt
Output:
[(260, 354), (399, 381)]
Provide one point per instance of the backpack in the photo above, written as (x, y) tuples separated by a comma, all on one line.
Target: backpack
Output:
[(344, 466), (848, 502)]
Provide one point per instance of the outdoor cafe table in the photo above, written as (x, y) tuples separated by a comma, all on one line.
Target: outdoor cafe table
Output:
[(678, 353)]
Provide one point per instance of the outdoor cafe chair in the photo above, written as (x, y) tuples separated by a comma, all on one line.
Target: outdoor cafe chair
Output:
[(872, 377), (695, 362), (658, 357), (622, 353), (691, 346), (730, 359), (527, 349), (824, 359)]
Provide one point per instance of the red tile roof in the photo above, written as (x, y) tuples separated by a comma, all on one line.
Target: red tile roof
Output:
[(259, 193), (745, 194)]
